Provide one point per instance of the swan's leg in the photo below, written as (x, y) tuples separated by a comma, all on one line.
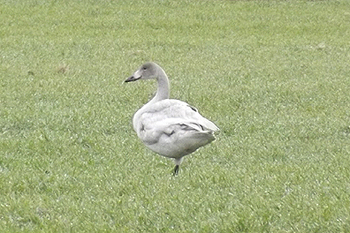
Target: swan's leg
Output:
[(176, 170), (177, 161)]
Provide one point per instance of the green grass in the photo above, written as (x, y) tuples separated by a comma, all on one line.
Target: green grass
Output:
[(273, 75)]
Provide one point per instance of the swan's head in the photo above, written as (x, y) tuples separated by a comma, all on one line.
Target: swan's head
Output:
[(149, 70)]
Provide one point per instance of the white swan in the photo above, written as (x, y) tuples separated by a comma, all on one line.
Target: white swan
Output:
[(169, 127)]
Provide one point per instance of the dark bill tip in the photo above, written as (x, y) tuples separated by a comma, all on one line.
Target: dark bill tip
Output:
[(131, 79)]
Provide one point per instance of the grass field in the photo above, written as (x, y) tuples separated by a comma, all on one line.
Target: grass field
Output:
[(273, 75)]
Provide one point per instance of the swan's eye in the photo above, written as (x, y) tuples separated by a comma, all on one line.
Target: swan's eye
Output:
[(144, 68)]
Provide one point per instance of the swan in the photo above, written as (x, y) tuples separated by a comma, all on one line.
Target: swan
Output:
[(169, 127)]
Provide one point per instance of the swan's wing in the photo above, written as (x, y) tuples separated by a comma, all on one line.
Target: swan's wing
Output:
[(173, 128)]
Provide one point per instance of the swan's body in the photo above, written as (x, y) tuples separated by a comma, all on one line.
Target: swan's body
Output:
[(169, 127)]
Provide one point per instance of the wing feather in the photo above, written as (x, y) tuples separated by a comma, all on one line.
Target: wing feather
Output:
[(173, 128)]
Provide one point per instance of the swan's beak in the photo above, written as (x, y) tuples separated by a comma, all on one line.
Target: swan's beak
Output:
[(132, 78)]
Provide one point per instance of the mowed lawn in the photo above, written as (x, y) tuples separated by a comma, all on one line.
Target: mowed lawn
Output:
[(273, 75)]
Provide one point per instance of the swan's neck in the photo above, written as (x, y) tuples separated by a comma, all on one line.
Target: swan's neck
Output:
[(162, 94), (163, 87)]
